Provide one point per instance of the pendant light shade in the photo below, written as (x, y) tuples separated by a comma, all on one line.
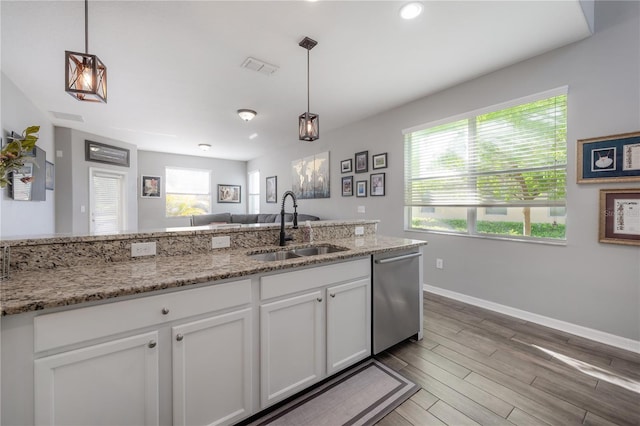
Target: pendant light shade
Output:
[(308, 122), (85, 74)]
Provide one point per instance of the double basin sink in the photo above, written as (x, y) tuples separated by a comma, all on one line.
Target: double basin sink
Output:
[(294, 253)]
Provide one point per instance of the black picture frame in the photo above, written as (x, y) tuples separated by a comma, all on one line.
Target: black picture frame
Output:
[(150, 186), (377, 185), (379, 161), (107, 154), (271, 189), (229, 193), (49, 176), (361, 188), (362, 162), (346, 166), (347, 186)]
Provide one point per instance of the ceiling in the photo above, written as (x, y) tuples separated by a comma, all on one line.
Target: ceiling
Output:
[(174, 67)]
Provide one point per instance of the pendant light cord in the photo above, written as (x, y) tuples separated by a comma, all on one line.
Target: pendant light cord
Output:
[(86, 26), (308, 100)]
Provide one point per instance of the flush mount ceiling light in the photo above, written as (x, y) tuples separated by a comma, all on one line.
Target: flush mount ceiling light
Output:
[(247, 114), (85, 74), (411, 10), (204, 146), (308, 123)]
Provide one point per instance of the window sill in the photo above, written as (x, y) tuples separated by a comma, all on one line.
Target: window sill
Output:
[(550, 242)]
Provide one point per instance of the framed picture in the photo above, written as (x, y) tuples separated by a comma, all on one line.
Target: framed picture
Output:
[(362, 162), (103, 153), (379, 161), (272, 189), (347, 186), (609, 159), (377, 184), (228, 193), (49, 176), (150, 186), (310, 176), (361, 188), (346, 166), (620, 216)]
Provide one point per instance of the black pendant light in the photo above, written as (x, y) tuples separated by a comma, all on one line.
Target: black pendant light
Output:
[(85, 74), (308, 123)]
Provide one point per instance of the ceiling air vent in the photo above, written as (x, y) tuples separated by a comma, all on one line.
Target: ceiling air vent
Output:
[(67, 116), (259, 66)]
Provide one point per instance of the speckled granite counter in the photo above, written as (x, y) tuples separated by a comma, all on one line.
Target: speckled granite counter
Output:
[(31, 290)]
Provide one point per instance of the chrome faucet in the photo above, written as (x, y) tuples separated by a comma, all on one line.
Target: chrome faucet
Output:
[(283, 237)]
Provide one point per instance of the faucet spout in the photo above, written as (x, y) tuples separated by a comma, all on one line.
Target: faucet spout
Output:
[(283, 237)]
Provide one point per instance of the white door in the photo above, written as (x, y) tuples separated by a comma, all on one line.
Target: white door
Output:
[(291, 346), (107, 201), (113, 383), (348, 324), (212, 370)]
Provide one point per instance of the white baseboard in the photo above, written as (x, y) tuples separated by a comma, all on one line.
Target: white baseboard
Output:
[(578, 330)]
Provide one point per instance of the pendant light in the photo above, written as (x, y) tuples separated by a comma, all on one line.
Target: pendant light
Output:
[(308, 123), (85, 74)]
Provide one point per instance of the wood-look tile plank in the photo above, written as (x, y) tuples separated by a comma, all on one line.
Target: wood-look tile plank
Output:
[(628, 368), (442, 300), (424, 399), (394, 419), (416, 415), (496, 343), (460, 402), (391, 361), (594, 420), (450, 415), (542, 405), (427, 343), (520, 418), (550, 348), (435, 359), (616, 387), (492, 315), (605, 350), (458, 347), (496, 328), (606, 406)]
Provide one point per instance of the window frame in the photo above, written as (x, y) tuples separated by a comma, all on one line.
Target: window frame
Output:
[(209, 195)]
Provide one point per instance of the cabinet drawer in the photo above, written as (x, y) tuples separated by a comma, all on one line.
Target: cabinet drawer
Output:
[(307, 279), (78, 325)]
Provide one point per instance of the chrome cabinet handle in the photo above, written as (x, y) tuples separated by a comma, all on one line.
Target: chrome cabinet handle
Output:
[(332, 294), (165, 311), (152, 344), (179, 337), (319, 299)]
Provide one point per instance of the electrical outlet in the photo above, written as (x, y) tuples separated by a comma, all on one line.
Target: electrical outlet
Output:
[(220, 242), (361, 209), (143, 249), (439, 264), (359, 230)]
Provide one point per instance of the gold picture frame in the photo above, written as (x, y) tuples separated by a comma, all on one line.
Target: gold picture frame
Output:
[(620, 216), (614, 158)]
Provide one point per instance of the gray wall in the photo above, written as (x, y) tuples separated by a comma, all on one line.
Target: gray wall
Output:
[(584, 283), (151, 211), (73, 184), (25, 218)]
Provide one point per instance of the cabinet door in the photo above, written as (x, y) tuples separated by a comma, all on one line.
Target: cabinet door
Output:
[(212, 370), (291, 346), (113, 383), (348, 324)]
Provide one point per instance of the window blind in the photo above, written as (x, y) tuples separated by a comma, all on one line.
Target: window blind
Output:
[(107, 208), (514, 156)]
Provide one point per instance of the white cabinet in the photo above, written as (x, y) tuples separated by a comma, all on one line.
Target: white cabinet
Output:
[(113, 383), (291, 345), (212, 369), (319, 324), (348, 324)]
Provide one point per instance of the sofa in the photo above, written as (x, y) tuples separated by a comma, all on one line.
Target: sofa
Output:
[(216, 218)]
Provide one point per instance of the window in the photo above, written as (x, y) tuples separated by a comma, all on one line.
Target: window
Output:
[(188, 192), (254, 192), (106, 204), (494, 172)]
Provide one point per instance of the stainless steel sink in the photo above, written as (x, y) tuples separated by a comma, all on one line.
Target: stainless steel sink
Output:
[(293, 253)]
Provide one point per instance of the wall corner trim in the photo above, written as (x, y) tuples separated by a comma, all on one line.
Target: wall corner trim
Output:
[(578, 330)]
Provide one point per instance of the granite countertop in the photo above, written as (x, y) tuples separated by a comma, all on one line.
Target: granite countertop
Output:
[(36, 290)]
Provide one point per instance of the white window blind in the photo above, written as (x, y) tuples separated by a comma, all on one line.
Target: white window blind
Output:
[(254, 192), (106, 209), (514, 156), (188, 191)]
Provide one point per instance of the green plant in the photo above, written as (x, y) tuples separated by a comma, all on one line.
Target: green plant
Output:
[(12, 154)]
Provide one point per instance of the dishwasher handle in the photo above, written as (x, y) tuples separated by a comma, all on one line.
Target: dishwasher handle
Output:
[(397, 258)]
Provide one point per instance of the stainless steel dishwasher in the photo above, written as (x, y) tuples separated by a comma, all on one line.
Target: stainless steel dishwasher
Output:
[(396, 298)]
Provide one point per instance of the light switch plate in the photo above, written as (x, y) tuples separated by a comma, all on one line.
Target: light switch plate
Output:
[(143, 249), (361, 209), (359, 230), (220, 242)]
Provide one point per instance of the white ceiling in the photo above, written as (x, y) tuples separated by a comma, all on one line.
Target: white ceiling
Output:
[(174, 75)]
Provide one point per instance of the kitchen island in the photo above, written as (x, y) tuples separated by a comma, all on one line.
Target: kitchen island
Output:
[(211, 336)]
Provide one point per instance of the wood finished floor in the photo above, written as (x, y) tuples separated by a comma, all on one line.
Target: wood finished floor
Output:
[(476, 366)]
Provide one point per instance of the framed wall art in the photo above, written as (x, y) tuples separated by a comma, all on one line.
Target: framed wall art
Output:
[(347, 186), (228, 193), (362, 162), (377, 184), (272, 189), (150, 186), (613, 158), (346, 166), (620, 216), (379, 161), (310, 176), (107, 154), (49, 176), (361, 188)]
